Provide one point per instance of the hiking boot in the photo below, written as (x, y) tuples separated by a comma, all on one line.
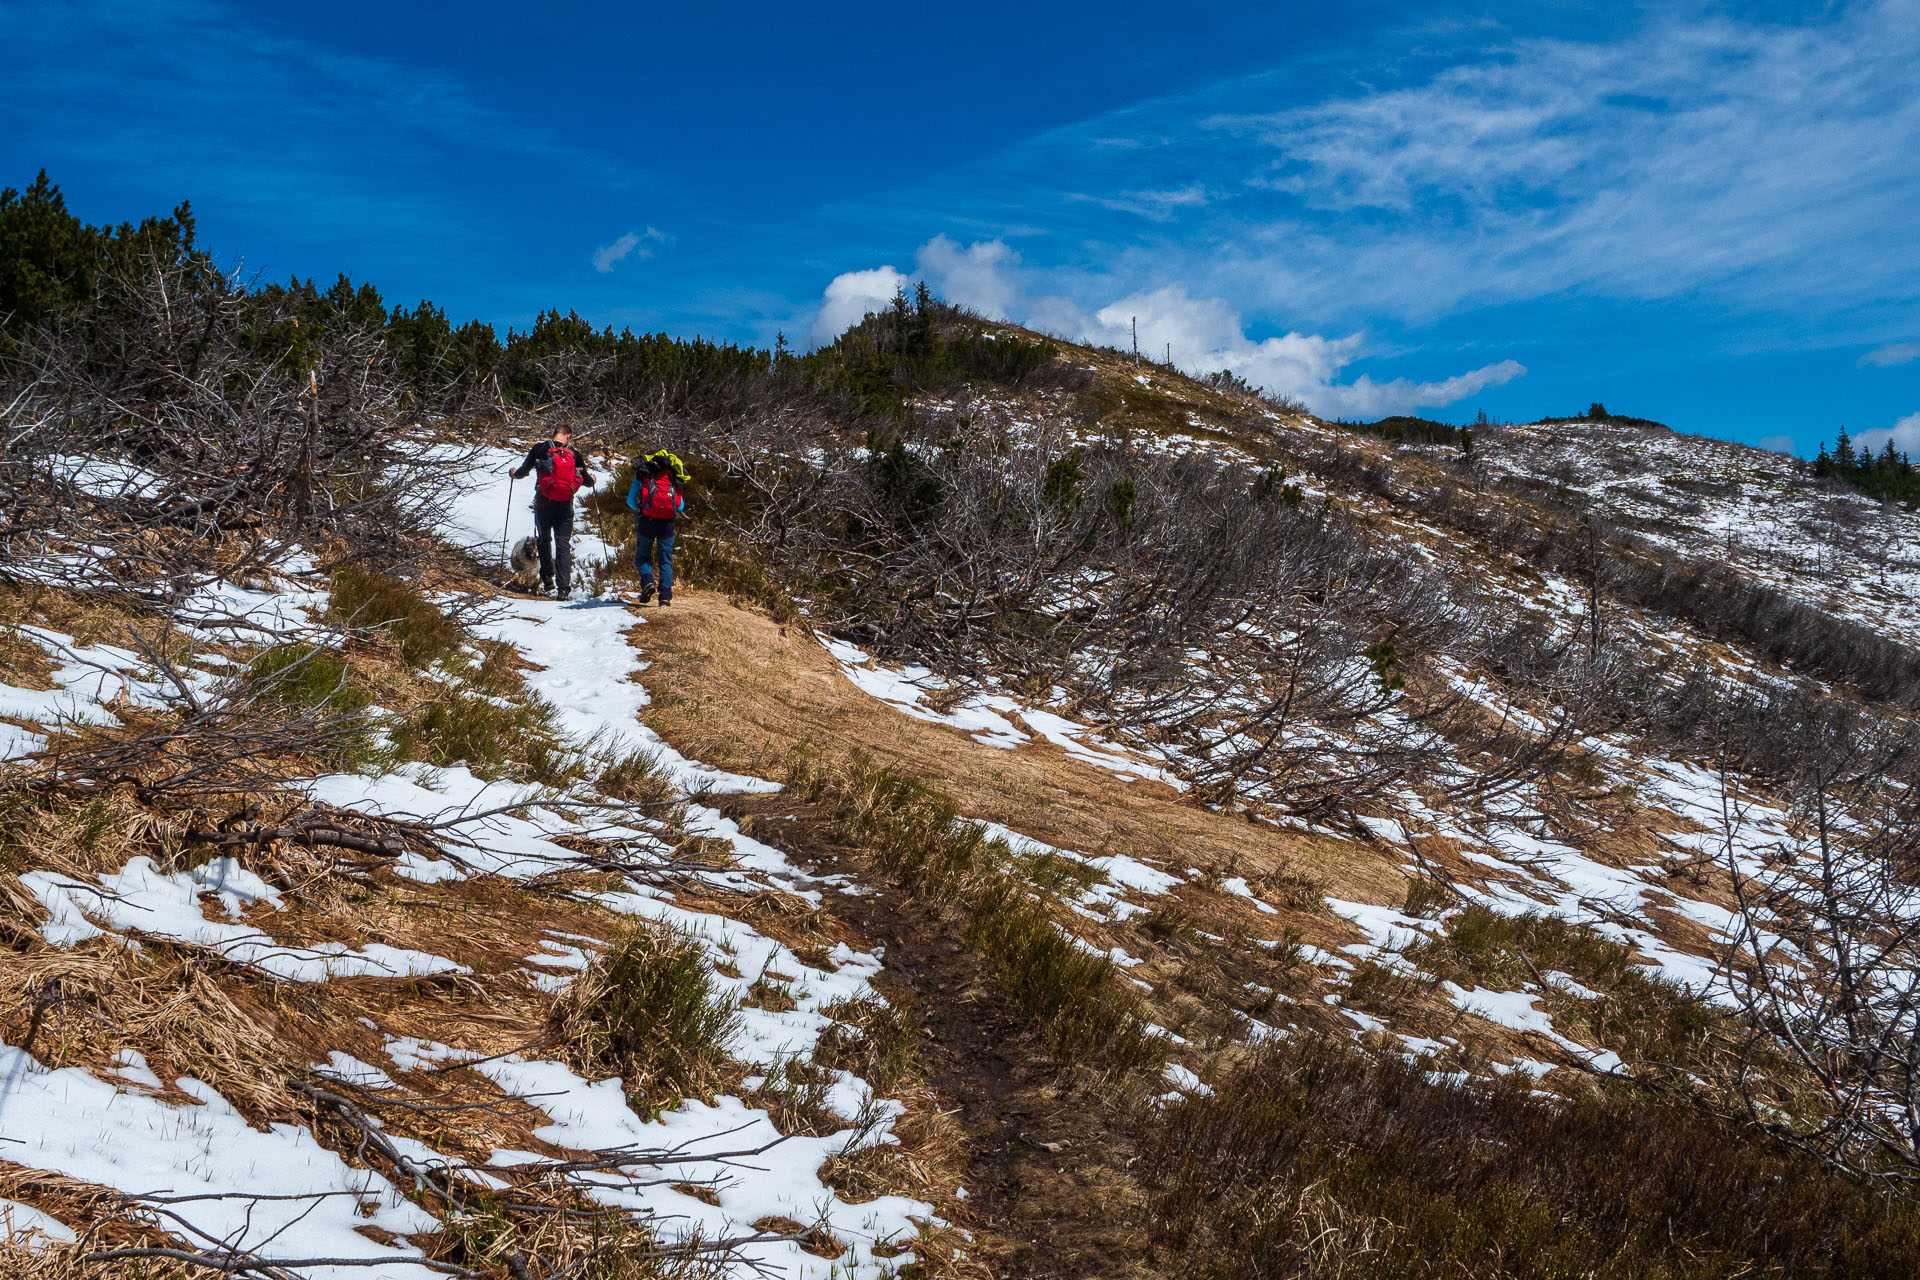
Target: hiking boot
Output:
[(546, 586), (565, 593), (666, 600), (646, 593)]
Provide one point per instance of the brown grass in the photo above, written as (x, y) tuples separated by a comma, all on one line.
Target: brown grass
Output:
[(736, 689)]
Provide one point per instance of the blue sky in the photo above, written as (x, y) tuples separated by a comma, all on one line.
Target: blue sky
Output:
[(1702, 214)]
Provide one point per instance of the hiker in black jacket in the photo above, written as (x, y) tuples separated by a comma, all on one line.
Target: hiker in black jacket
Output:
[(563, 473)]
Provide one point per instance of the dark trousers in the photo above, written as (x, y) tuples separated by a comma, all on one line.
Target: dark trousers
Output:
[(554, 523), (654, 533)]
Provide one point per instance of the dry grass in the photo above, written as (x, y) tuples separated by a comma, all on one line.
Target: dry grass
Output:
[(1318, 1160), (739, 690)]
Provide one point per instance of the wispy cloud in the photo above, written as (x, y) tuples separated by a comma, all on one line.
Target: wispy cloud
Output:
[(1770, 166), (1156, 206), (1894, 353), (634, 244), (1761, 172)]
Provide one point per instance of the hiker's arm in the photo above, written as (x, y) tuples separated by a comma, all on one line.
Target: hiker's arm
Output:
[(633, 495), (533, 456)]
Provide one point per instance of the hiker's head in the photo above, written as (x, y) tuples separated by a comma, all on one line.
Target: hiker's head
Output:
[(562, 433), (656, 464)]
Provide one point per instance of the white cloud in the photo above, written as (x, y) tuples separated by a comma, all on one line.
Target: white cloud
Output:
[(1894, 353), (1768, 164), (850, 297), (975, 276), (1905, 435), (1202, 334), (633, 244)]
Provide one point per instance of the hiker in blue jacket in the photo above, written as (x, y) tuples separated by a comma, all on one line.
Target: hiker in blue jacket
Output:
[(656, 499)]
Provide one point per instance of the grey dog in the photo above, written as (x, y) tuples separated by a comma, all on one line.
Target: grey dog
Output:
[(525, 558)]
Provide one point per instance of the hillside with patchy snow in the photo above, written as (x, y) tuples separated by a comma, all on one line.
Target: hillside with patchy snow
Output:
[(1073, 820)]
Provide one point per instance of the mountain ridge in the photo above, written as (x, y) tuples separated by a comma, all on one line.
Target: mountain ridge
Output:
[(1074, 819)]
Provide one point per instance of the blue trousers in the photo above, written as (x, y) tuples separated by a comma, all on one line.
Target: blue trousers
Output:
[(643, 560)]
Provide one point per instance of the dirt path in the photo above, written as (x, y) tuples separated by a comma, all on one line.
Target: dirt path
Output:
[(735, 689), (1048, 1194), (1047, 1167)]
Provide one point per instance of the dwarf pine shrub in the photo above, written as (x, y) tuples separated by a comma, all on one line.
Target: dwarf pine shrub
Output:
[(365, 598), (645, 1009), (303, 675)]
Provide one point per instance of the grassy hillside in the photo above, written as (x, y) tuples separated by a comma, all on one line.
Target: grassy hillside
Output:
[(1074, 820)]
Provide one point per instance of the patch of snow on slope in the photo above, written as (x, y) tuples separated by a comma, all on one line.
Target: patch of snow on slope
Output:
[(21, 1223), (589, 674), (106, 477), (906, 688), (986, 716), (776, 1176), (1117, 871), (143, 900), (73, 1123)]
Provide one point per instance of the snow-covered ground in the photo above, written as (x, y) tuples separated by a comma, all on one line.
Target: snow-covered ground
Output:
[(588, 656), (992, 718), (588, 659), (1719, 502)]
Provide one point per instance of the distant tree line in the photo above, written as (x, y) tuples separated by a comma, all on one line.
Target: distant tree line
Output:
[(922, 343), (1597, 412), (1888, 475), (1400, 428), (59, 271)]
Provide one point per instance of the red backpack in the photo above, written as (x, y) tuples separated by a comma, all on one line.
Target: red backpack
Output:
[(561, 480), (660, 497)]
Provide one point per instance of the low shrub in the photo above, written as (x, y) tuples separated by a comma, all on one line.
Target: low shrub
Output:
[(1317, 1159), (719, 564), (304, 679), (494, 739), (1071, 991), (1483, 948), (645, 1009), (797, 1095), (1637, 1015), (1075, 996), (872, 1038), (498, 671), (1301, 890), (1058, 874), (639, 778), (303, 675), (365, 598)]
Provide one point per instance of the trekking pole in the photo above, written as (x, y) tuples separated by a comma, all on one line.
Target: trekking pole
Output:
[(506, 524)]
